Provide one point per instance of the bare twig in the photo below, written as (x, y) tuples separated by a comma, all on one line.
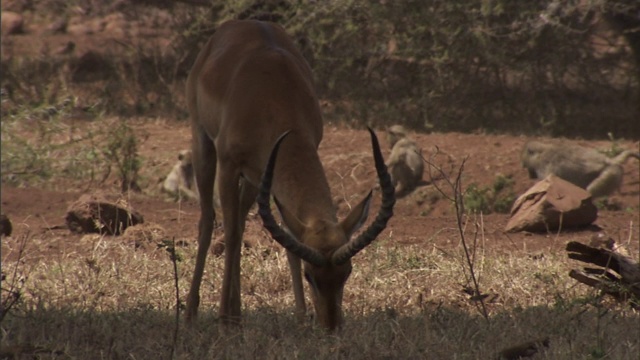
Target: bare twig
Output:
[(170, 247), (14, 290), (457, 199), (174, 261)]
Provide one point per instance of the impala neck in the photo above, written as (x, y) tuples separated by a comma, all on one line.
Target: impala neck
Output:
[(300, 184)]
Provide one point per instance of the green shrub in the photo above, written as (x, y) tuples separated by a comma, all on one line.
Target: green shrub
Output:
[(122, 151), (498, 198)]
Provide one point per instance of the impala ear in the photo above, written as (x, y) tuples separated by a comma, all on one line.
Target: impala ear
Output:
[(291, 222), (357, 216)]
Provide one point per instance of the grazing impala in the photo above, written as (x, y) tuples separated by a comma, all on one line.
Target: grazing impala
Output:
[(248, 86)]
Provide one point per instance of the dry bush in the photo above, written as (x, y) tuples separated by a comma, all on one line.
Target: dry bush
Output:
[(542, 67), (43, 146)]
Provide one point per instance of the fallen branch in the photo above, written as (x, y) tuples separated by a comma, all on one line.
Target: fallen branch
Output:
[(618, 275)]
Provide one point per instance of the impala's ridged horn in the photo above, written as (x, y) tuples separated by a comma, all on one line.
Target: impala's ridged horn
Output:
[(301, 250), (348, 250)]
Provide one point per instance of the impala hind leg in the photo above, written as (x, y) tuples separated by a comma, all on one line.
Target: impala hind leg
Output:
[(204, 166), (236, 202)]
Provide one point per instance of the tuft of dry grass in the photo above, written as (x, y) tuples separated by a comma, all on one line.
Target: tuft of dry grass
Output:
[(103, 298)]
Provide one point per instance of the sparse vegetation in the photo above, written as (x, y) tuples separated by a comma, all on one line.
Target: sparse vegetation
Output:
[(444, 66), (402, 302), (606, 203), (498, 198), (12, 281), (122, 151), (42, 145)]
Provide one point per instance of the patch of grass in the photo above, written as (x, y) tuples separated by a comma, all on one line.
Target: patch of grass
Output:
[(103, 298), (495, 199), (608, 204)]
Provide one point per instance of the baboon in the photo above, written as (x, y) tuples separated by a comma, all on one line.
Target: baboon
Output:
[(584, 167), (181, 180), (405, 162)]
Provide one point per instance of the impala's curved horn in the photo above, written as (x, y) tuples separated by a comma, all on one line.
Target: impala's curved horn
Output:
[(301, 250), (348, 250)]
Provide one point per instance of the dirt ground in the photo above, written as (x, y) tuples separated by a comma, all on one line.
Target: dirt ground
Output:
[(422, 217)]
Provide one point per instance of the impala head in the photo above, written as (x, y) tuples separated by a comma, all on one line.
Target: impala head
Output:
[(325, 247)]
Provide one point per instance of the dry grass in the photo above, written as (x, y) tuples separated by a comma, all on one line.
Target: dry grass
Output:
[(101, 298)]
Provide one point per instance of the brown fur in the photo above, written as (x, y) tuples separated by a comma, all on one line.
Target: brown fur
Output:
[(248, 86)]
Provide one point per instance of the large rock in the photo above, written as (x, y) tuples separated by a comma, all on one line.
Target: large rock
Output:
[(12, 23), (97, 214), (552, 204)]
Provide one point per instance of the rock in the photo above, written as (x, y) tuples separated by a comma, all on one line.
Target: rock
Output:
[(5, 225), (12, 23), (96, 214), (552, 204), (143, 235)]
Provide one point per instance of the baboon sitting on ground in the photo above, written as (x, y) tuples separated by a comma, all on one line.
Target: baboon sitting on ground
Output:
[(405, 162), (584, 167), (181, 180)]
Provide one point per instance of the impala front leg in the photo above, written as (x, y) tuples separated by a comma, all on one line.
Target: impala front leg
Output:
[(296, 280)]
